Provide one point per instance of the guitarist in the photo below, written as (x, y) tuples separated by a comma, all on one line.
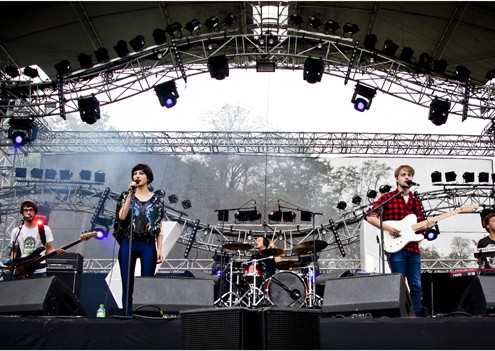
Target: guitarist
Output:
[(30, 236), (408, 260)]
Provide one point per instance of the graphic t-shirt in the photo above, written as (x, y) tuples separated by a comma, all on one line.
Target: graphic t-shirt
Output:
[(29, 240)]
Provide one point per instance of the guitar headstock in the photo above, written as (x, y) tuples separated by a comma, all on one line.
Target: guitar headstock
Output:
[(470, 208), (88, 235)]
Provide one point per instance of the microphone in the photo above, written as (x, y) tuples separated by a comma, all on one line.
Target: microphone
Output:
[(137, 181), (411, 183)]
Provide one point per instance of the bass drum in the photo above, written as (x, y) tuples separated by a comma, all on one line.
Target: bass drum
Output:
[(285, 289)]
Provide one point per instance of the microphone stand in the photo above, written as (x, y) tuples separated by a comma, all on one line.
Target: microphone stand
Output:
[(128, 298)]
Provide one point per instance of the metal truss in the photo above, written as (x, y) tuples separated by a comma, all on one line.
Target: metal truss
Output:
[(307, 144), (122, 78)]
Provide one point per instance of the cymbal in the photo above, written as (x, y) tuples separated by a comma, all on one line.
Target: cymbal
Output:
[(237, 246), (307, 246), (284, 265), (272, 252)]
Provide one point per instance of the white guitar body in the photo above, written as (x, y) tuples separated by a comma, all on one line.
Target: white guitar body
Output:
[(394, 244)]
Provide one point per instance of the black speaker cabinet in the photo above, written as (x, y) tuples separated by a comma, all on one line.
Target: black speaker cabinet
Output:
[(71, 278), (38, 297), (479, 297), (172, 295), (371, 295), (236, 328)]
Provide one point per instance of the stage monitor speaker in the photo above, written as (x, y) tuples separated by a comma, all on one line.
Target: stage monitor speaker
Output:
[(71, 278), (479, 297), (172, 295), (371, 295), (38, 297)]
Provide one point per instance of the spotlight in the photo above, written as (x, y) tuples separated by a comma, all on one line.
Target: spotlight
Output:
[(306, 216), (296, 19), (121, 48), (99, 177), (85, 61), (21, 131), (101, 233), (450, 176), (12, 71), (490, 74), (439, 66), (173, 199), (424, 61), (406, 54), (223, 216), (389, 47), (356, 199), (350, 28), (212, 23), (461, 73), (439, 111), (137, 43), (366, 95), (384, 189), (173, 29), (85, 174), (102, 55), (313, 70), (89, 109), (20, 172), (167, 93), (63, 67), (341, 205), (50, 174), (483, 177), (468, 177), (159, 36), (230, 19), (370, 41), (218, 67), (65, 174), (186, 204), (436, 177), (37, 173), (371, 194), (193, 25), (30, 72), (281, 216), (265, 66), (314, 22), (331, 26), (432, 233), (247, 216)]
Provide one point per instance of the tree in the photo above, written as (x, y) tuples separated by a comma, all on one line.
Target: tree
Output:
[(462, 248)]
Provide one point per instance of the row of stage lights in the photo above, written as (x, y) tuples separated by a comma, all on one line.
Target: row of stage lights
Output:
[(450, 177), (64, 174)]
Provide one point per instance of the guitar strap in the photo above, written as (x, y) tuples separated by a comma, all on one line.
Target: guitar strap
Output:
[(41, 231)]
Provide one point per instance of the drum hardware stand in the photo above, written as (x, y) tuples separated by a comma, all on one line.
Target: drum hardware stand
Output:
[(312, 300), (230, 293), (252, 294)]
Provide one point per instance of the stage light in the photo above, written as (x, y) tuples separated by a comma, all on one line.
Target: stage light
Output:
[(173, 29), (89, 109), (159, 36), (30, 72), (483, 177), (366, 95), (331, 26), (167, 93), (137, 43), (282, 216), (50, 174), (313, 70), (436, 177), (20, 172), (370, 41), (101, 233), (12, 71), (389, 47), (406, 54), (37, 173), (223, 216), (21, 131), (306, 216), (490, 74), (121, 48), (193, 25), (439, 66), (424, 61), (439, 111), (102, 55), (350, 28), (356, 199), (450, 176), (63, 67), (468, 177), (461, 73), (371, 194), (341, 205), (85, 61), (65, 174), (85, 174), (212, 23), (218, 67), (40, 220), (314, 22), (99, 177), (186, 204), (384, 189), (265, 66), (173, 199), (432, 233), (230, 19), (295, 19), (247, 216)]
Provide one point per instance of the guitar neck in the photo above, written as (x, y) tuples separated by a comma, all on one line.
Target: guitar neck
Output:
[(435, 219), (53, 253)]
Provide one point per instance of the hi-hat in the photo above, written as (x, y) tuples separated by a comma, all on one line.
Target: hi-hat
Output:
[(309, 246), (272, 252), (284, 265), (237, 246)]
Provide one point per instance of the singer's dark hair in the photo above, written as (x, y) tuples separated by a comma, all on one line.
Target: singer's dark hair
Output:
[(29, 204), (145, 168)]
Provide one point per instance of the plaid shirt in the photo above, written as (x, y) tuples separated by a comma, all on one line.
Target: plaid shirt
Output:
[(397, 209)]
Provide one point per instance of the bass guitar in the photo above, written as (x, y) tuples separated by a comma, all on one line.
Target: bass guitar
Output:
[(408, 227), (23, 267)]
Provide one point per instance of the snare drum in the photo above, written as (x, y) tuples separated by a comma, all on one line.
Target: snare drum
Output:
[(285, 289), (251, 271)]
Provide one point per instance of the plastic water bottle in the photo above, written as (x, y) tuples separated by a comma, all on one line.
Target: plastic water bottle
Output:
[(101, 313)]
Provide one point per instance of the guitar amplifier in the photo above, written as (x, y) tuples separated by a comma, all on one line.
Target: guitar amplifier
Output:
[(68, 262)]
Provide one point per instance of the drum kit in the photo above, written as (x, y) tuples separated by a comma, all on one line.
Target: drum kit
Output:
[(246, 283)]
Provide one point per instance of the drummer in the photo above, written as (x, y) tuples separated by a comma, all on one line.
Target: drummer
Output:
[(262, 243)]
